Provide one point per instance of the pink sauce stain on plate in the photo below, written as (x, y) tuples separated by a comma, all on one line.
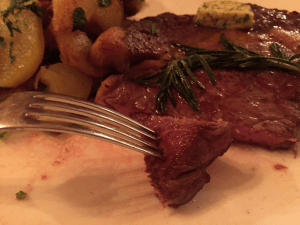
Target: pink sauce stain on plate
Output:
[(280, 167)]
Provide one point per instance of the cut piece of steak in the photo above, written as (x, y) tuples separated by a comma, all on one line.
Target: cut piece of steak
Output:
[(189, 147)]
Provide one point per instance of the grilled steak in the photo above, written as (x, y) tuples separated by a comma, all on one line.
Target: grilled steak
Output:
[(260, 106)]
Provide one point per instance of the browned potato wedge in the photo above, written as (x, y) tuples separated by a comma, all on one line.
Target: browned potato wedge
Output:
[(132, 7), (110, 50), (63, 79), (28, 47)]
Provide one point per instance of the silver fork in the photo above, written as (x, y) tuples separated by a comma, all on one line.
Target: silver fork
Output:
[(59, 113)]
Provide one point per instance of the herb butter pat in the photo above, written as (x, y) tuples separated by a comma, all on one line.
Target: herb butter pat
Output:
[(225, 14)]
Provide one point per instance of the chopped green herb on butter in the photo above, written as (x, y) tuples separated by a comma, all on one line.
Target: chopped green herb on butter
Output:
[(225, 14)]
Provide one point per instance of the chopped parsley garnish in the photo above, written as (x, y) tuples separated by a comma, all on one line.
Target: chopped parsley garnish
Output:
[(21, 195), (2, 42), (36, 9), (79, 18), (11, 27), (104, 3), (24, 23), (11, 56), (153, 29), (22, 4), (2, 134)]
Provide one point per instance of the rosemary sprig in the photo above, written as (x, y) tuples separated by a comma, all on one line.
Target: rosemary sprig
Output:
[(233, 57), (175, 76), (238, 57)]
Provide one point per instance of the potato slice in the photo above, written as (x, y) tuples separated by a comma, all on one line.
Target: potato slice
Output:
[(28, 47), (64, 79)]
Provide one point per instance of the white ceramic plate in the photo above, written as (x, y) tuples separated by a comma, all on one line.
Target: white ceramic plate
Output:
[(76, 180)]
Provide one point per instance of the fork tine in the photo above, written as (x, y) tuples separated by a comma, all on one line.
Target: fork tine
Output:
[(89, 113), (56, 113), (87, 122), (97, 111), (63, 128)]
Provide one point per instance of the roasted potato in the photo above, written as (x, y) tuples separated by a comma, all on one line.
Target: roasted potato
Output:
[(22, 53), (64, 79)]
